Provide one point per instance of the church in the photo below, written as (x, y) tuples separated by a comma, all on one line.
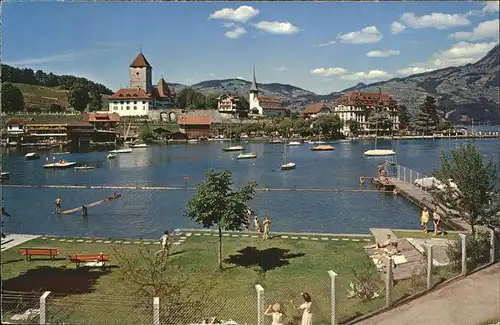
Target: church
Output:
[(142, 96), (264, 106)]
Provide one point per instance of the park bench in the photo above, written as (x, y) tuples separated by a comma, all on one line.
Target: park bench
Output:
[(96, 259), (38, 251)]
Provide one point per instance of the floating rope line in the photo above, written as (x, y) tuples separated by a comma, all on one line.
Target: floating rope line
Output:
[(179, 188)]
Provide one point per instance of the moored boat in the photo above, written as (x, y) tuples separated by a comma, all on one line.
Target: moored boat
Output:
[(116, 151), (379, 152), (139, 145), (4, 175), (31, 156), (249, 155), (323, 148), (84, 167), (294, 143), (234, 148), (111, 156), (63, 164)]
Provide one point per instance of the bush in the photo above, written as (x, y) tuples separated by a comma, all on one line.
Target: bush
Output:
[(478, 251)]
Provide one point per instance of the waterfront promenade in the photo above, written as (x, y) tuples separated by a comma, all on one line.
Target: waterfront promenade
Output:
[(474, 300)]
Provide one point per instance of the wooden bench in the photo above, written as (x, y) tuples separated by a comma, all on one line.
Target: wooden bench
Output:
[(84, 258), (38, 251)]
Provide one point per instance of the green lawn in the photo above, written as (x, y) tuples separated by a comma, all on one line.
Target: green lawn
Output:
[(284, 267)]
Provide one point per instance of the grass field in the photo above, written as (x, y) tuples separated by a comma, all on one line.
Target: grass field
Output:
[(42, 96), (284, 268)]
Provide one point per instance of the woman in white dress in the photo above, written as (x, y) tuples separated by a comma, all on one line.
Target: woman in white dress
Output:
[(307, 316), (275, 312)]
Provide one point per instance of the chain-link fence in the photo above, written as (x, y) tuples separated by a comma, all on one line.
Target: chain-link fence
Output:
[(20, 307), (421, 180)]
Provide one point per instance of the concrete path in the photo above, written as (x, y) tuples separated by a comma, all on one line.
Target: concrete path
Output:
[(473, 300), (12, 240)]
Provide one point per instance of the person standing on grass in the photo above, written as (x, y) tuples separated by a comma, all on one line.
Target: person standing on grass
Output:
[(164, 243), (258, 227), (437, 221), (267, 227), (307, 315), (58, 205), (424, 220)]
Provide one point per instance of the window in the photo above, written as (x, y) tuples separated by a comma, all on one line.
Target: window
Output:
[(143, 108), (137, 73), (128, 108), (143, 102), (115, 108), (135, 107), (122, 102), (135, 102)]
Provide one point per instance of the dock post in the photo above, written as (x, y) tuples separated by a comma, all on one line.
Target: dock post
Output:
[(388, 282), (463, 241), (333, 277), (260, 304), (430, 257), (492, 246)]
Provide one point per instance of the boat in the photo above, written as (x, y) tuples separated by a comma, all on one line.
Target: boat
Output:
[(139, 145), (326, 147), (275, 141), (61, 153), (234, 148), (116, 151), (318, 142), (286, 165), (378, 152), (4, 175), (60, 165), (193, 141), (84, 167), (31, 156), (111, 156), (248, 155), (294, 143)]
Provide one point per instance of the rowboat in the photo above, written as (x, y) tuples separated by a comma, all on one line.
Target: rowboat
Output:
[(60, 165), (249, 155)]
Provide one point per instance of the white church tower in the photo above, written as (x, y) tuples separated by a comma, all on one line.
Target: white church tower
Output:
[(254, 93)]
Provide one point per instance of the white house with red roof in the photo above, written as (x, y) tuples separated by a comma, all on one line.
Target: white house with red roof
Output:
[(142, 96), (265, 106)]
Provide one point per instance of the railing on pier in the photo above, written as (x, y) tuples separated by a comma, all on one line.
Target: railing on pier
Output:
[(409, 176)]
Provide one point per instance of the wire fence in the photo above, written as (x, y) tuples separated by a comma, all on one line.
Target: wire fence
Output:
[(421, 180), (335, 298)]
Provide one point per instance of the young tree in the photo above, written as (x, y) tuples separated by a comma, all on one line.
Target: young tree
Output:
[(212, 101), (427, 119), (380, 118), (12, 98), (217, 204), (476, 183), (404, 117), (354, 127), (328, 124), (78, 97), (95, 99)]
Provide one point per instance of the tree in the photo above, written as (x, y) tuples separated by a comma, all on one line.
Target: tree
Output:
[(12, 98), (216, 203), (404, 117), (427, 119), (474, 184), (78, 97), (55, 108), (145, 134), (380, 118), (242, 107), (33, 109), (95, 99), (328, 124), (212, 101), (354, 126)]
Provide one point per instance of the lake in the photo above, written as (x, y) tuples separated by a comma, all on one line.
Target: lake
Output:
[(147, 213)]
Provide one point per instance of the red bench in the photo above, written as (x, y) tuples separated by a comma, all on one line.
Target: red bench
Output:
[(84, 258), (38, 251)]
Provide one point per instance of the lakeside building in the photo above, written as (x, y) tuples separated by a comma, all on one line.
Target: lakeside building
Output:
[(357, 106), (142, 96), (264, 106), (227, 105), (317, 109), (105, 125), (195, 127)]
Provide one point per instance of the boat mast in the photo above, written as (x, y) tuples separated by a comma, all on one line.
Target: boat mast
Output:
[(284, 153)]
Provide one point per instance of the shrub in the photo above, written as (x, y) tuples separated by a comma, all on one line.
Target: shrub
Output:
[(477, 248)]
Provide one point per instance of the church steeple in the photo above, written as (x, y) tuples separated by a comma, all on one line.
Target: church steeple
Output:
[(254, 87)]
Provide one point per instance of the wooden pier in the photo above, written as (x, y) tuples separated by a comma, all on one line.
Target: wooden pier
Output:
[(93, 204), (384, 183)]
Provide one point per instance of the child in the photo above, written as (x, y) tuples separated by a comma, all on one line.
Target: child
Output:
[(258, 227), (275, 312), (164, 243), (267, 227), (424, 220)]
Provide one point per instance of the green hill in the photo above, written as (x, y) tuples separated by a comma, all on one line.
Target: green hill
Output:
[(41, 96)]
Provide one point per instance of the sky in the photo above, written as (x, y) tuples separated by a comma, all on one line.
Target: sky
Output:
[(319, 46)]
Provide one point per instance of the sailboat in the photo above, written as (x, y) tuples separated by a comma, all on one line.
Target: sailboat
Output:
[(378, 152), (321, 145), (285, 165), (232, 148)]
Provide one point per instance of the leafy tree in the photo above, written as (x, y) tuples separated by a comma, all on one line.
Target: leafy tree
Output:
[(354, 127), (243, 107), (212, 101), (145, 134), (12, 98), (217, 203), (285, 127), (476, 183), (380, 118), (328, 124), (95, 99), (78, 97), (55, 108), (189, 98), (404, 117), (427, 119)]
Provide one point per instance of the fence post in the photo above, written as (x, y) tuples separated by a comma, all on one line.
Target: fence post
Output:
[(463, 240), (388, 282), (156, 311), (492, 245), (333, 295), (429, 266), (411, 182), (399, 172), (43, 306), (260, 303), (404, 174)]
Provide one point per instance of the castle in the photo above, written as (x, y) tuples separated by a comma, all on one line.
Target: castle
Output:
[(141, 97)]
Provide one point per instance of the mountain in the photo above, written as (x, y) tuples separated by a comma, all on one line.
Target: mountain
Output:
[(469, 91)]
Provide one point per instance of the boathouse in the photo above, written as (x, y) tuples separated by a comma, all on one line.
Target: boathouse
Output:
[(195, 127)]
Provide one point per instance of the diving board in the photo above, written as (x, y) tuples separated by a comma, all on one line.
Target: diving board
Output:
[(93, 204)]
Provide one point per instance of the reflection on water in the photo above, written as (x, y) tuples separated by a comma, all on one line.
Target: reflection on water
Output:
[(148, 213)]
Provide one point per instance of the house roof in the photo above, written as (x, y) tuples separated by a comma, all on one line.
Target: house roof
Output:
[(268, 99), (79, 124), (101, 117), (194, 120), (18, 121), (315, 108), (275, 107), (228, 95), (140, 62), (368, 99), (162, 92), (130, 94)]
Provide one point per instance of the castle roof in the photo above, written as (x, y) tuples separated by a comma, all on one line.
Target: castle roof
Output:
[(140, 62)]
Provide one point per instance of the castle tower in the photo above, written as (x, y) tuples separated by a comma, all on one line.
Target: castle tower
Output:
[(254, 93), (141, 74)]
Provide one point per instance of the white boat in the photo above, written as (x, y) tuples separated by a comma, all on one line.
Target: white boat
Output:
[(323, 148), (120, 151), (249, 155), (234, 148), (4, 175), (193, 141), (294, 143), (60, 165), (61, 153), (379, 152), (286, 165), (84, 167), (275, 141), (318, 142), (31, 156), (111, 156), (139, 145)]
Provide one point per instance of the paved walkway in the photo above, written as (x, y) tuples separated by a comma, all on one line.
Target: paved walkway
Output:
[(470, 301), (12, 240)]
